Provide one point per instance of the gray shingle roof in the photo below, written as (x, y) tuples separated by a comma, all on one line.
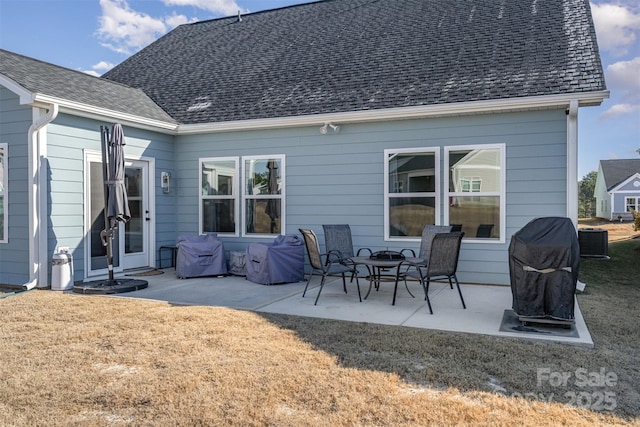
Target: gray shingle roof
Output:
[(51, 80), (617, 170), (354, 55)]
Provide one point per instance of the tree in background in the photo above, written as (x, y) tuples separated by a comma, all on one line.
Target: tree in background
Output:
[(586, 199)]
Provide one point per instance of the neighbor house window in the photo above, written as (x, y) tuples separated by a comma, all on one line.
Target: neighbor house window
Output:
[(263, 194), (476, 185), (219, 195), (4, 208), (632, 203), (412, 182)]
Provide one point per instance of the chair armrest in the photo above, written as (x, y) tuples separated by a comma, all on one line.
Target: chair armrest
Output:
[(413, 254), (364, 249)]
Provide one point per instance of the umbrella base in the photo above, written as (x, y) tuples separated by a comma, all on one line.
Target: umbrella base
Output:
[(116, 286)]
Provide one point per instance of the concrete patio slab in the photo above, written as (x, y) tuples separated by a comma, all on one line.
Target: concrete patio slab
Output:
[(485, 304)]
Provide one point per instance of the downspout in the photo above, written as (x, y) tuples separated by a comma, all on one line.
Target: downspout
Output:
[(572, 162), (37, 199)]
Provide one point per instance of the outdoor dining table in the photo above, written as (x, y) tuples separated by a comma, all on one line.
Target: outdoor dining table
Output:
[(376, 267)]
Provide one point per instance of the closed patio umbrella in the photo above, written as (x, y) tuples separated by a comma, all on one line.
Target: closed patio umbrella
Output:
[(116, 210), (117, 203)]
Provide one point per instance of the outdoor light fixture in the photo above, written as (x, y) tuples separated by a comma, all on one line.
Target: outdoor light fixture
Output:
[(323, 129)]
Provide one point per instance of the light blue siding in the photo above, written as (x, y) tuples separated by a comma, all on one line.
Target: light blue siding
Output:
[(332, 178), (14, 125), (338, 178), (68, 138)]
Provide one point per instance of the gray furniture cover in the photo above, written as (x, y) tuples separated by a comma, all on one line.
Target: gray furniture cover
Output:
[(200, 256), (279, 262), (544, 257)]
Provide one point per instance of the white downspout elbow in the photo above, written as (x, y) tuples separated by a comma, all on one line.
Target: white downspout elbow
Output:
[(572, 162), (37, 199)]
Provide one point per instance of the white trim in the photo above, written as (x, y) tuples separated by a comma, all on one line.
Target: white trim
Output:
[(448, 109), (282, 196), (451, 109), (636, 198), (502, 193), (572, 162), (37, 190), (26, 96), (5, 191), (437, 195), (625, 182), (235, 195)]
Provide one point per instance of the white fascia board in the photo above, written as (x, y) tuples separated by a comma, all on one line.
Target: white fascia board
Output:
[(98, 113), (26, 96), (459, 108), (623, 183)]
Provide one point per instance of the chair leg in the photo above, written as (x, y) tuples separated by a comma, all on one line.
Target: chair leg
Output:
[(320, 290), (459, 291), (358, 286), (344, 283), (307, 285), (426, 296)]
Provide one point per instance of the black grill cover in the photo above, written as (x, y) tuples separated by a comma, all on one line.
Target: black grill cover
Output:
[(544, 258)]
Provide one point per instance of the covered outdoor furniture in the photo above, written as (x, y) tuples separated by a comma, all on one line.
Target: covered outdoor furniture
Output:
[(279, 262), (199, 256), (326, 267), (544, 257), (441, 263)]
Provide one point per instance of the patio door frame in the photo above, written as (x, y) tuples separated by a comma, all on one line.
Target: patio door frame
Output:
[(147, 259)]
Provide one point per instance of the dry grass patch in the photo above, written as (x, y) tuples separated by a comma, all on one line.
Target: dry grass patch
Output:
[(89, 360)]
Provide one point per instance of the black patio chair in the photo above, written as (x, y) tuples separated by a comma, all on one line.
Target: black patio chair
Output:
[(328, 267), (442, 262), (428, 233), (339, 243)]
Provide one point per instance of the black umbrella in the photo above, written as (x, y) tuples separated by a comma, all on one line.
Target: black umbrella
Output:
[(273, 205), (116, 209), (117, 203), (115, 193)]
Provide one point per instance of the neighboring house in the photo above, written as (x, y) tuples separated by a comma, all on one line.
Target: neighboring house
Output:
[(617, 190), (378, 114)]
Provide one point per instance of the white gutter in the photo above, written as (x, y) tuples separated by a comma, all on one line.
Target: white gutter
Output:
[(38, 271), (459, 108), (572, 162)]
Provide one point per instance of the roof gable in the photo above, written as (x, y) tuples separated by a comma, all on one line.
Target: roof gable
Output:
[(356, 55), (617, 171), (59, 83)]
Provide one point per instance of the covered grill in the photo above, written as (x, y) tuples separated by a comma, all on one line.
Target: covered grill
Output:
[(544, 258)]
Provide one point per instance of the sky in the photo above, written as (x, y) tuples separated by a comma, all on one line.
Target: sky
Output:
[(95, 35)]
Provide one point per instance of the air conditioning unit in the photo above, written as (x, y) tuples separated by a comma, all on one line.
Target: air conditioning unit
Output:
[(594, 243)]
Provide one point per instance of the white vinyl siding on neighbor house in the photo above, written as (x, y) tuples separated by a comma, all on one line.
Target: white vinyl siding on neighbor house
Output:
[(4, 205)]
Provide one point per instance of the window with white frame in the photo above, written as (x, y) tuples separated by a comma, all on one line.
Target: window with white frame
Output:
[(263, 194), (411, 191), (219, 195), (632, 203), (4, 208), (476, 186)]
